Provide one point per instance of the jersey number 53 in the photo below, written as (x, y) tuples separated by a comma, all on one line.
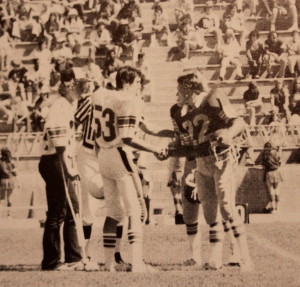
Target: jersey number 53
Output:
[(105, 123)]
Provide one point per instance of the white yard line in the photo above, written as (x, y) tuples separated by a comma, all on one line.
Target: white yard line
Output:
[(266, 244)]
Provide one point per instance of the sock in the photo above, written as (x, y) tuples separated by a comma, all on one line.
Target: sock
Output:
[(118, 257), (87, 231), (216, 237), (194, 240), (109, 241), (135, 237), (239, 233), (234, 248)]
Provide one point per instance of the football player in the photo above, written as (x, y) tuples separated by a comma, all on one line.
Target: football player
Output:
[(211, 123), (87, 162), (116, 116)]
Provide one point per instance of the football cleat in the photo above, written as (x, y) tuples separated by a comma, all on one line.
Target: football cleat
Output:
[(212, 266), (118, 258), (192, 262), (90, 265), (74, 266)]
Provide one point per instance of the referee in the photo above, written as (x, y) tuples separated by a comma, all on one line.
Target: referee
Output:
[(57, 158)]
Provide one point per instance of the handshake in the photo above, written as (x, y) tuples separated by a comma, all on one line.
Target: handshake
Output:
[(163, 154)]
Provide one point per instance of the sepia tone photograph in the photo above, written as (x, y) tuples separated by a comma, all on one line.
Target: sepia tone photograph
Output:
[(150, 143)]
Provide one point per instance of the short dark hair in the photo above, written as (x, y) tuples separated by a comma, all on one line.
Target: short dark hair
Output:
[(126, 75), (189, 84)]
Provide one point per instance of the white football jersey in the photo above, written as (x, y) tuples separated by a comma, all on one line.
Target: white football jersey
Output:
[(116, 116)]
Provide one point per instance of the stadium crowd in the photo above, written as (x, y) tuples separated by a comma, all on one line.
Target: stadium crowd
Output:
[(103, 35)]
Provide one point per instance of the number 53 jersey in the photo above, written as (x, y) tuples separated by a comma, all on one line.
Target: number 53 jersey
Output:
[(116, 116)]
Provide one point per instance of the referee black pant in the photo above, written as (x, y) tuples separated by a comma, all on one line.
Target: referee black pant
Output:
[(58, 212)]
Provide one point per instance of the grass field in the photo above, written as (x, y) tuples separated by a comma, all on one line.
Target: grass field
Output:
[(274, 247)]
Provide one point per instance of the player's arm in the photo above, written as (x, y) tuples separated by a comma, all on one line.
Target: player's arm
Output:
[(235, 124), (153, 130), (57, 131), (142, 145), (128, 124)]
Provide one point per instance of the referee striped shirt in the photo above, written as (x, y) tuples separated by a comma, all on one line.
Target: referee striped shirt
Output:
[(84, 115)]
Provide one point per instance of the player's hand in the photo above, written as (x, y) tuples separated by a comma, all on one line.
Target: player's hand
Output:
[(72, 173), (223, 137), (162, 155)]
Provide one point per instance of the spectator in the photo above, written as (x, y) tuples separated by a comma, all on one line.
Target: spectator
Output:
[(39, 112), (253, 102), (60, 51), (160, 26), (274, 53), (94, 73), (126, 11), (18, 79), (20, 109), (142, 65), (293, 49), (272, 162), (21, 28), (52, 27), (249, 4), (75, 29), (210, 23), (230, 54), (37, 30), (275, 10), (43, 54), (136, 25), (255, 52), (280, 99), (124, 40), (100, 40), (8, 175), (235, 21), (183, 9), (294, 103), (78, 6), (188, 40), (108, 10), (6, 47), (111, 65), (38, 81)]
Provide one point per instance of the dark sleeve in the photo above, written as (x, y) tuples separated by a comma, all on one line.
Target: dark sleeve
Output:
[(11, 74)]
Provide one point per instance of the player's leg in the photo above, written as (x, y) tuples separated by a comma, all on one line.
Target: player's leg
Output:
[(114, 216), (175, 190), (207, 196), (87, 167), (190, 216), (226, 190), (118, 248), (128, 193)]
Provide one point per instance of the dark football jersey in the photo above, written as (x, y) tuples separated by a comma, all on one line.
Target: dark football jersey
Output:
[(180, 132), (200, 123)]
